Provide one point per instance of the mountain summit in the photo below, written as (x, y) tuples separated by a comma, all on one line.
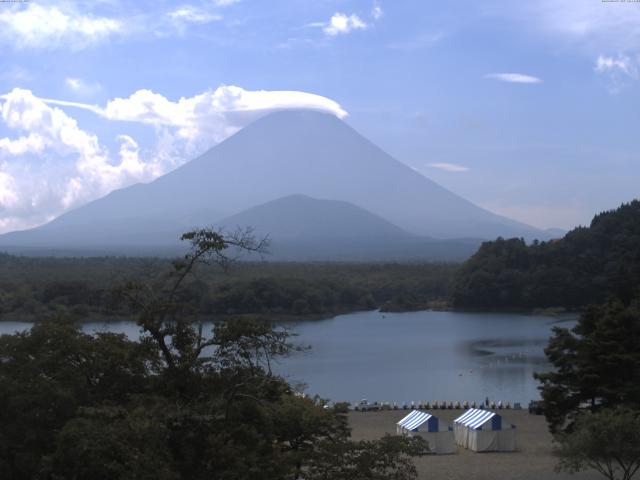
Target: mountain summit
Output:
[(285, 153)]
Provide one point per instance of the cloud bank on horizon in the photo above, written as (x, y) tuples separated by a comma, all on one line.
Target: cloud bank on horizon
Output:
[(50, 164)]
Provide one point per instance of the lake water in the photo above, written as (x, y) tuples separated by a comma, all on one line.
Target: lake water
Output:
[(414, 356)]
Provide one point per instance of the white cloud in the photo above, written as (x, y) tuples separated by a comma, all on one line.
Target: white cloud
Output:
[(55, 25), (513, 77), (73, 83), (189, 14), (39, 26), (199, 121), (594, 24), (49, 164), (81, 87), (449, 167), (622, 64), (8, 195), (619, 70), (225, 3), (341, 23), (589, 28), (377, 12), (10, 216)]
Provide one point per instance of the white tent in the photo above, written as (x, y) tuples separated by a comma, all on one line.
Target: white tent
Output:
[(428, 427), (483, 431)]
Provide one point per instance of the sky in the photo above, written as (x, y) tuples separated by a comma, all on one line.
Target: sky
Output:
[(527, 108)]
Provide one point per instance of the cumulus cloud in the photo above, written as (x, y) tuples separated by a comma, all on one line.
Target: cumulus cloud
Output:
[(81, 87), (45, 25), (49, 164), (449, 167), (187, 14), (8, 195), (376, 11), (619, 71), (513, 77), (9, 199), (622, 64), (52, 164), (40, 26), (340, 24)]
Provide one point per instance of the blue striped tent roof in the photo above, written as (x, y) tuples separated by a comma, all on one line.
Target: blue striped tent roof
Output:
[(474, 418), (414, 420)]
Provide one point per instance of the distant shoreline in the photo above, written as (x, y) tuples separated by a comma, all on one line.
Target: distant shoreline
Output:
[(290, 318)]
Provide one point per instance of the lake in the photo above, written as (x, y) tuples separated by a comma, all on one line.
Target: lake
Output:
[(413, 356)]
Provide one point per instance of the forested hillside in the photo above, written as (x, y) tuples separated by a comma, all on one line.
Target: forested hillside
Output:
[(586, 266), (34, 288)]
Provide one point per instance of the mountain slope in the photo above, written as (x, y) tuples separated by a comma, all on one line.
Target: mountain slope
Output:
[(299, 217), (317, 154), (284, 153)]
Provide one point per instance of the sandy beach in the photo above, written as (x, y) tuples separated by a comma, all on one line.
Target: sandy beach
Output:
[(534, 459)]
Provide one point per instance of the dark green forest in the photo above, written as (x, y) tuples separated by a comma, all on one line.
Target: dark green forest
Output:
[(33, 288), (180, 403), (588, 265)]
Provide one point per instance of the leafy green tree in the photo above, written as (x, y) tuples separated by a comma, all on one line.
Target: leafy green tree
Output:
[(111, 443), (388, 458), (607, 441), (596, 364), (48, 373)]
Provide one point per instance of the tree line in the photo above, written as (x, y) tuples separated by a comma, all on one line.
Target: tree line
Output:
[(588, 265), (34, 288)]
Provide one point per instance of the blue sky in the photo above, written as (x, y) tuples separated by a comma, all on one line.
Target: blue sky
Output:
[(527, 108)]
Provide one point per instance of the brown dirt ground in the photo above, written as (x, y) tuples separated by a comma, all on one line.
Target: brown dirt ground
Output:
[(534, 459)]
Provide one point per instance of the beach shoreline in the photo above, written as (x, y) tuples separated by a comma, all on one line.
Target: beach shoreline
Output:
[(533, 460)]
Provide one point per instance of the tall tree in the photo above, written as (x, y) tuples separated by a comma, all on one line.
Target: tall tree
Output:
[(596, 364), (607, 441)]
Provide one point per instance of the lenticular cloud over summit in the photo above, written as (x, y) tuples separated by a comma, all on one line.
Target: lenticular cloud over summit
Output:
[(49, 163), (227, 102)]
